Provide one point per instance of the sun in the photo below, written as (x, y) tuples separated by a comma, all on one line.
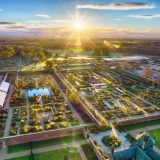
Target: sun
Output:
[(78, 25)]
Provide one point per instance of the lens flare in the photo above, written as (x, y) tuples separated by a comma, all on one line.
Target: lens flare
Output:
[(78, 25)]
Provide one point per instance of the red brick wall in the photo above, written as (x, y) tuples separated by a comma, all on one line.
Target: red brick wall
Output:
[(41, 136), (142, 119)]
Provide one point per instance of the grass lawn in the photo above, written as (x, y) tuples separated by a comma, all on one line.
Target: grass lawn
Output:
[(20, 158), (156, 135), (18, 148), (141, 125), (89, 152), (71, 153), (44, 143)]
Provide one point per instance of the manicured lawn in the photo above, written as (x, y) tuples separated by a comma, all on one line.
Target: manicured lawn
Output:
[(18, 148), (71, 153), (44, 143), (141, 125), (156, 135), (89, 152), (21, 158), (56, 141)]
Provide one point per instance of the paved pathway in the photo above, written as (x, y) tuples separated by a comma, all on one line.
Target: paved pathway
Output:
[(7, 101), (82, 154), (8, 122), (98, 138), (76, 144)]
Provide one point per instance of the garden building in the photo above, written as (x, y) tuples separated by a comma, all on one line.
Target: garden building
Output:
[(142, 150)]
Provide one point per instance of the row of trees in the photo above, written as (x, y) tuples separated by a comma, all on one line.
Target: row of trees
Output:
[(23, 52), (101, 51), (8, 52), (32, 53)]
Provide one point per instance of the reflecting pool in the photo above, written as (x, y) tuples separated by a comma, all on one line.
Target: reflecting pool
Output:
[(38, 92)]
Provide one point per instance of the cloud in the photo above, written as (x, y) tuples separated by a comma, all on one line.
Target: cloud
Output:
[(117, 19), (16, 27), (43, 16), (50, 21), (33, 21), (61, 21), (1, 9), (118, 6), (8, 23), (12, 26), (147, 16)]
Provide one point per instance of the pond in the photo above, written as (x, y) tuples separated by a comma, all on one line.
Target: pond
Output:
[(128, 58), (38, 92)]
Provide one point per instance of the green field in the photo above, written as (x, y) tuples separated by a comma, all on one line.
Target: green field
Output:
[(44, 143), (156, 135), (71, 153), (141, 125)]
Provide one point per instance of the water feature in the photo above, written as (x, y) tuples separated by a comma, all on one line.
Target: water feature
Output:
[(38, 92), (127, 58)]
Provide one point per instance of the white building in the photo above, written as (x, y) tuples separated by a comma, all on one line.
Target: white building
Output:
[(2, 98), (4, 87)]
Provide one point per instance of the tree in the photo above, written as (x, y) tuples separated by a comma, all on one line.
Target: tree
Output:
[(67, 93), (11, 50), (103, 51), (41, 54), (49, 64), (56, 55), (29, 52), (6, 54), (22, 53), (73, 97)]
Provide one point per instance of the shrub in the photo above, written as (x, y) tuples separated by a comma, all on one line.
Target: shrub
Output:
[(111, 140), (25, 129), (47, 127), (63, 124)]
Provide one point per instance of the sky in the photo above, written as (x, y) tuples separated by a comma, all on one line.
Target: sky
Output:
[(132, 17)]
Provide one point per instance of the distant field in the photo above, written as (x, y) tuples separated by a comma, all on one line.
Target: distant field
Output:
[(141, 125), (71, 154), (156, 135), (44, 143)]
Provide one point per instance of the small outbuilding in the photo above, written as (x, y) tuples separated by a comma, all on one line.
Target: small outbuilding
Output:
[(2, 98), (4, 87)]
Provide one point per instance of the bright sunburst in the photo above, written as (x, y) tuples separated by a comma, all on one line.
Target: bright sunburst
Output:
[(78, 25)]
